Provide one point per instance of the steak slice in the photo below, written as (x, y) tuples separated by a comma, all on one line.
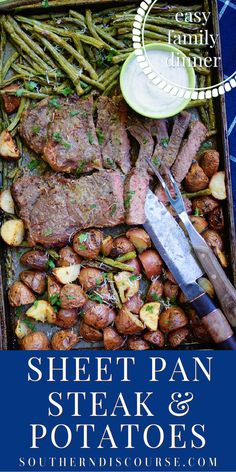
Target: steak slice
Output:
[(142, 133), (180, 127), (34, 124), (53, 209), (72, 144), (111, 131), (188, 151)]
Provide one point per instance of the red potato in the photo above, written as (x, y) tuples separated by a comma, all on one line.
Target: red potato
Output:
[(139, 238), (170, 276), (134, 304), (54, 287), (209, 162), (155, 337), (68, 257), (196, 179), (172, 319), (72, 296), (19, 294), (135, 343), (98, 315), (204, 204), (170, 290), (121, 245), (88, 243), (107, 245), (152, 263), (11, 103), (66, 318), (90, 277), (199, 223), (36, 341), (178, 337), (35, 280), (112, 340), (136, 264), (64, 340), (104, 292), (155, 291), (89, 333), (216, 219), (36, 259), (128, 323)]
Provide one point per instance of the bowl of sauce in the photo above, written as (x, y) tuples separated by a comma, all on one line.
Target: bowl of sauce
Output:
[(143, 95)]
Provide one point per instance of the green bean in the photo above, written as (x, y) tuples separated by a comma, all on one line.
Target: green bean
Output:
[(109, 38), (110, 278), (111, 78), (127, 257), (78, 45), (212, 118), (211, 133), (204, 116), (73, 21), (99, 44), (23, 105), (77, 15), (92, 82), (196, 103), (120, 58), (200, 193), (105, 75), (63, 44), (32, 44), (3, 41), (25, 93), (167, 9), (90, 25), (11, 80), (111, 11), (126, 50), (8, 63), (160, 21), (110, 87), (196, 61), (65, 65), (116, 264)]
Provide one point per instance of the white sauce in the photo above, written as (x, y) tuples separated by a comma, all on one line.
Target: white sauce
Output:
[(147, 96)]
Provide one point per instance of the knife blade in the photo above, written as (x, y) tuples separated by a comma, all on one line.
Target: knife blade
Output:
[(177, 253)]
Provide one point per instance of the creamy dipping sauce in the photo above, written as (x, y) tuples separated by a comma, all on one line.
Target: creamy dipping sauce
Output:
[(146, 97)]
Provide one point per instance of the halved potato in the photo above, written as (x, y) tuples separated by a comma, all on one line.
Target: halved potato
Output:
[(149, 314), (217, 186), (139, 238), (66, 275), (19, 294), (207, 286), (127, 285), (42, 311), (8, 149), (6, 202), (12, 232), (128, 323), (21, 329)]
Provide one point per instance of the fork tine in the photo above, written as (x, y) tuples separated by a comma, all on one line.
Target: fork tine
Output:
[(174, 183), (162, 181)]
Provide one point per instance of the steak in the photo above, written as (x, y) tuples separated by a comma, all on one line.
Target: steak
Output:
[(53, 209), (142, 133), (180, 127), (72, 144), (112, 134), (188, 151), (34, 124)]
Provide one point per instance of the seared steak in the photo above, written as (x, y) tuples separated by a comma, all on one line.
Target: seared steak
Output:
[(72, 144), (34, 123), (181, 124), (142, 133), (112, 134), (188, 151), (53, 209)]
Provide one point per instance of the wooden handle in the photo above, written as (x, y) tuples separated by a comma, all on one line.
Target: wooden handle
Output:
[(225, 291), (215, 322)]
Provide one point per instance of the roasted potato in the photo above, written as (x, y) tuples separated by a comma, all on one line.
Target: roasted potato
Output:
[(139, 238), (89, 333), (36, 341), (216, 219), (207, 286), (54, 288), (90, 277), (172, 319), (209, 162), (217, 186), (196, 179), (68, 257), (88, 244), (215, 242), (136, 264), (12, 232), (66, 318), (182, 298), (104, 292), (152, 263), (36, 259), (107, 245), (7, 202), (35, 280), (204, 204), (121, 245), (127, 284), (66, 275), (155, 291), (72, 296), (134, 304), (178, 336), (135, 343), (155, 337), (8, 148), (98, 315), (21, 329), (128, 323), (169, 276), (199, 223), (11, 103), (64, 340), (149, 315), (170, 290), (19, 294), (112, 340), (42, 311)]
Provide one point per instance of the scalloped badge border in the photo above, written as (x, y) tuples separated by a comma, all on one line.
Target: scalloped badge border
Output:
[(157, 79)]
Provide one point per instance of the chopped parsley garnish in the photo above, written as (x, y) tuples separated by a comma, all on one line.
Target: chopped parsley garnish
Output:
[(128, 198), (31, 85), (110, 55), (92, 207), (155, 297), (74, 113), (100, 136), (19, 311), (45, 3), (113, 209), (95, 297), (90, 138), (156, 161), (164, 142), (51, 264), (33, 164), (98, 281), (82, 237), (205, 146), (81, 167), (60, 140), (55, 299), (197, 212), (132, 278), (145, 141), (70, 297), (36, 129), (67, 91), (109, 161), (48, 232), (54, 102), (29, 323), (19, 92), (83, 84), (149, 308), (36, 303)]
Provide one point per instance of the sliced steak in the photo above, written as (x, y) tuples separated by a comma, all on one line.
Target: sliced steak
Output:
[(141, 131), (34, 124), (180, 127), (53, 209), (188, 151), (112, 134), (72, 144)]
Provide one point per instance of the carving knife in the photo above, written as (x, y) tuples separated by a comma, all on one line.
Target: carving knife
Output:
[(177, 253)]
